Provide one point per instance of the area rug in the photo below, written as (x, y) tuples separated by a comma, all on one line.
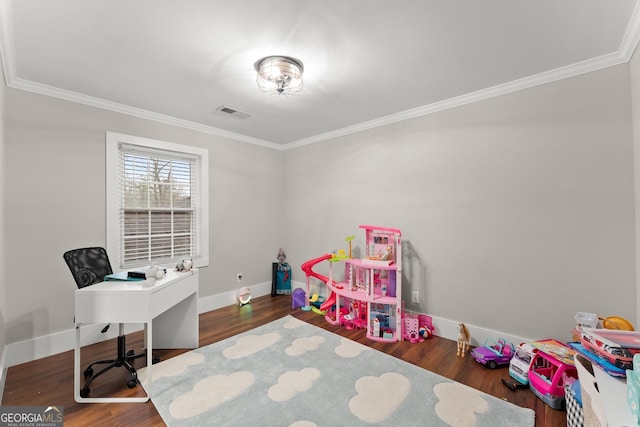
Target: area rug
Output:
[(290, 373)]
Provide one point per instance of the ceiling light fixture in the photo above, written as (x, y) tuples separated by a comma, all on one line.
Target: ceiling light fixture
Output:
[(279, 74)]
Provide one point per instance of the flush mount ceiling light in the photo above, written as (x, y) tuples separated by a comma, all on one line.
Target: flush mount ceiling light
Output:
[(281, 75)]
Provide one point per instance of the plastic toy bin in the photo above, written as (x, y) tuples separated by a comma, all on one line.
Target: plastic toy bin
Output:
[(592, 405), (575, 415), (589, 320)]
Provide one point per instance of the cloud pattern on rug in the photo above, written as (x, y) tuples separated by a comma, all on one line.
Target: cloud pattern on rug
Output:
[(293, 323), (378, 397), (172, 367), (209, 393), (250, 344), (459, 404), (301, 346), (349, 349), (293, 382), (368, 404), (303, 423)]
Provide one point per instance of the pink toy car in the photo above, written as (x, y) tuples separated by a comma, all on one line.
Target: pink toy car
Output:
[(492, 354), (548, 376)]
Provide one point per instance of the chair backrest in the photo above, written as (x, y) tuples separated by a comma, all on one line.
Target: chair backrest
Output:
[(88, 265)]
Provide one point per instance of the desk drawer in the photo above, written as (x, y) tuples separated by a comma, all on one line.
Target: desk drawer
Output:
[(122, 302), (118, 307), (166, 297)]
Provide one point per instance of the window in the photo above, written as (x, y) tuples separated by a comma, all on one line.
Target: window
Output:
[(157, 202)]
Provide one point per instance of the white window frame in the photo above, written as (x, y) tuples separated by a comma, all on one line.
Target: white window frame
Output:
[(113, 201)]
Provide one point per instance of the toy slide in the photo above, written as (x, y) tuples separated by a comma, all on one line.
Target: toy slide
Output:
[(328, 302), (307, 267)]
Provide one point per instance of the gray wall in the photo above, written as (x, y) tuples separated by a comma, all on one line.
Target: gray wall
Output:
[(3, 281), (56, 152), (635, 109), (517, 211)]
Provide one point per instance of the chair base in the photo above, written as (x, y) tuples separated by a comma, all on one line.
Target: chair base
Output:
[(123, 359)]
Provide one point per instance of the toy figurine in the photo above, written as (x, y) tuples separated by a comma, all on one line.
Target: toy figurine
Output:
[(463, 340), (184, 265), (388, 254), (281, 275), (152, 274), (282, 257)]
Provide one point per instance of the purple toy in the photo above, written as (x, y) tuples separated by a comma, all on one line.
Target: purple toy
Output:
[(298, 298), (492, 354)]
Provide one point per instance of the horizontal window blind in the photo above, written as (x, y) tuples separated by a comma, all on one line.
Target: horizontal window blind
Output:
[(158, 193)]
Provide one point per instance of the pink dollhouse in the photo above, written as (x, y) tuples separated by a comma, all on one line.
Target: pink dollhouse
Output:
[(369, 296)]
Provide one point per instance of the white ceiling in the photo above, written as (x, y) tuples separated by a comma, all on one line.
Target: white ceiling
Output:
[(367, 62)]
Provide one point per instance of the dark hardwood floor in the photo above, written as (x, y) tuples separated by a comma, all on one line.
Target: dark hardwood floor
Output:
[(49, 381)]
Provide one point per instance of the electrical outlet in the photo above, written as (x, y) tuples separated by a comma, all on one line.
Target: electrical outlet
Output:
[(415, 297), (239, 278)]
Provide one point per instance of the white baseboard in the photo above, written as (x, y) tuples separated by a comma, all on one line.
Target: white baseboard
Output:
[(3, 370), (447, 328), (59, 342), (214, 302)]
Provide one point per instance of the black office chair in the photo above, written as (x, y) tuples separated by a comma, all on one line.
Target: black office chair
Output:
[(88, 267)]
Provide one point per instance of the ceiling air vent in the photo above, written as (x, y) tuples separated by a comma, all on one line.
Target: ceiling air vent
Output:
[(227, 111)]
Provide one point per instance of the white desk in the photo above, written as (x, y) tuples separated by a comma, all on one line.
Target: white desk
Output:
[(168, 310)]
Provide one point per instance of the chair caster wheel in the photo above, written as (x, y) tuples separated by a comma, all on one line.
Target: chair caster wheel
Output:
[(84, 392), (88, 372), (130, 353), (155, 359), (131, 383)]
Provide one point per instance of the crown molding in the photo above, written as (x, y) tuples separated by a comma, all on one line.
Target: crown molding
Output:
[(502, 89), (79, 98), (626, 50), (631, 36), (7, 56), (7, 52)]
